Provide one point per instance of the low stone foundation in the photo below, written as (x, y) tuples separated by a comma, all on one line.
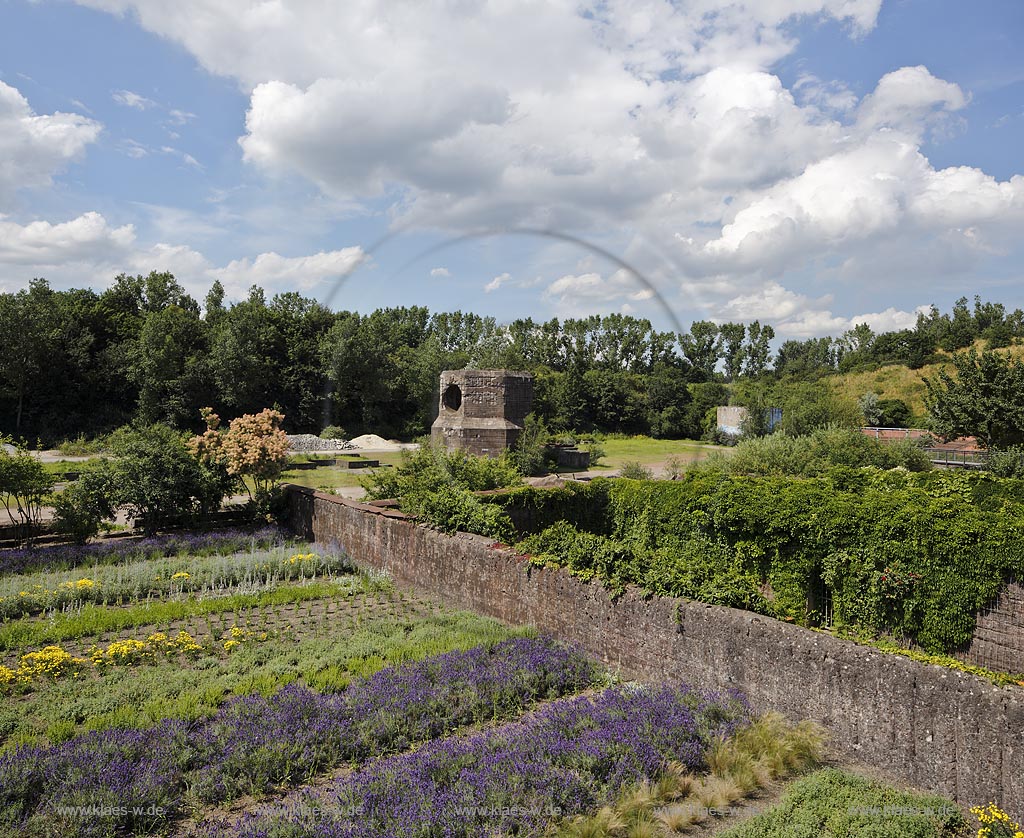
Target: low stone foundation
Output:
[(929, 726)]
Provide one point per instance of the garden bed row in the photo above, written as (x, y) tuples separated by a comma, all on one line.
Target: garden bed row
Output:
[(136, 779)]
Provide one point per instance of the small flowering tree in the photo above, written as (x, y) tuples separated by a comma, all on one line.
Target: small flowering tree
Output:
[(24, 484), (252, 449)]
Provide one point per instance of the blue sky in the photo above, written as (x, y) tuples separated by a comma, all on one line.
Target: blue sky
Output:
[(812, 163)]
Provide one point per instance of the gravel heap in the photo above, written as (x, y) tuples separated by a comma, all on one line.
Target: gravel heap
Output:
[(372, 442), (309, 442)]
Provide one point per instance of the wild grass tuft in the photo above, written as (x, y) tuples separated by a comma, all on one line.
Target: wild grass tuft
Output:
[(675, 801), (769, 748)]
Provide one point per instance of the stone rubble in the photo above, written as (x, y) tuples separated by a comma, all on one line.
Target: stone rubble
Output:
[(309, 442)]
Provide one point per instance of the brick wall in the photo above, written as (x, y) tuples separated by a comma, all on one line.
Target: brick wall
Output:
[(926, 725)]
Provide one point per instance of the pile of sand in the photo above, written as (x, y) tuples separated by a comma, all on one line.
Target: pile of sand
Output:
[(372, 442)]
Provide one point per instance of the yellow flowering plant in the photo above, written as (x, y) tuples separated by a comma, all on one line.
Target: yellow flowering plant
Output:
[(54, 662), (235, 636), (49, 662), (995, 823)]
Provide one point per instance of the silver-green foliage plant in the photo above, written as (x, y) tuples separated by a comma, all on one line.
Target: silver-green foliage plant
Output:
[(170, 577), (832, 802)]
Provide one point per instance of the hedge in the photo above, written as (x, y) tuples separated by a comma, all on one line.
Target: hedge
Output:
[(913, 556)]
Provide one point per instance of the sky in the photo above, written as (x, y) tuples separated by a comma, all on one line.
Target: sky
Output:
[(809, 163)]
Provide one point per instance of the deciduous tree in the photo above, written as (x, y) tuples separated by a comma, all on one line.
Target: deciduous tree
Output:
[(24, 483), (985, 399), (253, 447)]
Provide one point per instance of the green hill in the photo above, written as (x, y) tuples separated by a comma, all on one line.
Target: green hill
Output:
[(899, 382)]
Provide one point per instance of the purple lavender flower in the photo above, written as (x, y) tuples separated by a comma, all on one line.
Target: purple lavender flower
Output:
[(568, 758), (254, 743)]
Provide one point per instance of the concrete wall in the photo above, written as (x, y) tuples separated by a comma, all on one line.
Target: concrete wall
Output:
[(926, 725), (730, 419), (482, 411)]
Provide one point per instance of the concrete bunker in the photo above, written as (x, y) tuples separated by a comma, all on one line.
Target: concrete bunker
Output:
[(482, 411)]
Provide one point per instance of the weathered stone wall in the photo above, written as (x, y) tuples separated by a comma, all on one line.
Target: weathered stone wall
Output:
[(926, 725), (998, 641)]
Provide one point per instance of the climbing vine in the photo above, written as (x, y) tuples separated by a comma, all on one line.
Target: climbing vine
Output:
[(910, 556)]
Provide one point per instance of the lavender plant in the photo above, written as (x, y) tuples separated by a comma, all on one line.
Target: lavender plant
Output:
[(66, 556), (569, 757), (131, 780)]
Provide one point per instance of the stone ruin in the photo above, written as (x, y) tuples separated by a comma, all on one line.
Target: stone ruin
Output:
[(482, 411)]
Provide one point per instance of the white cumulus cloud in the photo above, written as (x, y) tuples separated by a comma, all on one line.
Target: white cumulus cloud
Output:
[(40, 243), (656, 119), (576, 295), (33, 147), (795, 315), (271, 270), (497, 282), (89, 251), (480, 113)]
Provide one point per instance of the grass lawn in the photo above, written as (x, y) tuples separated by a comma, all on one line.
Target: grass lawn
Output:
[(329, 477), (334, 477), (899, 382), (62, 467), (649, 451)]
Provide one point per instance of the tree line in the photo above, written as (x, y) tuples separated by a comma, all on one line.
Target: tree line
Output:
[(79, 362)]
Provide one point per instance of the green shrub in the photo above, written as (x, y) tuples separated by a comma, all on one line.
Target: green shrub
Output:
[(529, 454), (431, 466), (455, 509), (24, 485), (333, 432), (634, 470), (675, 467), (894, 413), (832, 802), (83, 506), (1007, 462), (815, 453), (158, 480), (583, 553), (596, 451), (82, 447), (438, 485)]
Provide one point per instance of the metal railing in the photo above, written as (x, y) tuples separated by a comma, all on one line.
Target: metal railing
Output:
[(957, 459)]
